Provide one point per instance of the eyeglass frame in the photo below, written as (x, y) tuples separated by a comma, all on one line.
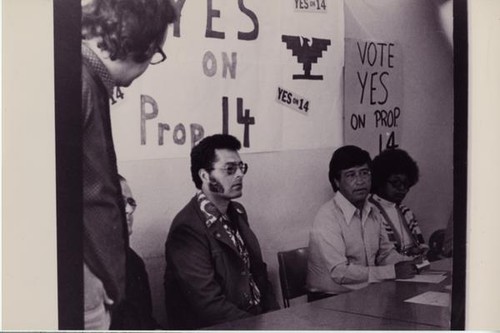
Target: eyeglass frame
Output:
[(241, 165), (131, 202), (163, 55)]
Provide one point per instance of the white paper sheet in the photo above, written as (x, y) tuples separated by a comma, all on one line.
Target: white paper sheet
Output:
[(431, 298)]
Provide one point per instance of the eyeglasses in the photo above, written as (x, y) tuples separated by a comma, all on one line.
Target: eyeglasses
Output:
[(352, 175), (231, 168), (131, 202), (158, 57), (399, 184)]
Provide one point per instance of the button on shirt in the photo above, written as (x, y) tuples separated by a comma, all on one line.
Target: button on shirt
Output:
[(349, 248)]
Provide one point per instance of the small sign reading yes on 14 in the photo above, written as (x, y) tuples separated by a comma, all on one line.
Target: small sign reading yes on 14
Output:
[(316, 6), (292, 100)]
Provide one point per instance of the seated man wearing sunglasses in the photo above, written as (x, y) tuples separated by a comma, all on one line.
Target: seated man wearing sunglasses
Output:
[(215, 272)]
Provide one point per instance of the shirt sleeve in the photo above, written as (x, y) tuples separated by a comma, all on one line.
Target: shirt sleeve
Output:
[(332, 247)]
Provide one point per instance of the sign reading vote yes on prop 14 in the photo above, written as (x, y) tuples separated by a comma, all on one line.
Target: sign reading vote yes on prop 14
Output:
[(267, 72), (373, 97)]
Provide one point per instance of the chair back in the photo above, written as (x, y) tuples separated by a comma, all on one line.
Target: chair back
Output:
[(293, 273), (436, 242)]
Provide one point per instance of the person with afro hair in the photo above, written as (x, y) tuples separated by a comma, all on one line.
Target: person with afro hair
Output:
[(394, 172)]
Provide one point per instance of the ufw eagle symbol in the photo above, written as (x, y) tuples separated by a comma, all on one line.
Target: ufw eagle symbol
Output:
[(306, 53)]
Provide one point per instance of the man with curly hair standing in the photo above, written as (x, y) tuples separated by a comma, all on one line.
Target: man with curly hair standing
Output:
[(120, 39)]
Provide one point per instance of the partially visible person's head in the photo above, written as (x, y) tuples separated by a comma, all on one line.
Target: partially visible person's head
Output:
[(129, 203), (216, 166), (394, 173), (350, 173), (130, 31)]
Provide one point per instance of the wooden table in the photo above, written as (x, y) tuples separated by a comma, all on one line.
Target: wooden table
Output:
[(380, 306)]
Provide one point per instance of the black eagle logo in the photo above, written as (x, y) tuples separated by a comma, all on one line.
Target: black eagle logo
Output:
[(306, 53)]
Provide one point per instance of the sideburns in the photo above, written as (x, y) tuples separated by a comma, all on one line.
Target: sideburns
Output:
[(215, 186)]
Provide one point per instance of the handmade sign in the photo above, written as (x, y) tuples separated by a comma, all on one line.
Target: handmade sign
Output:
[(267, 72), (373, 97)]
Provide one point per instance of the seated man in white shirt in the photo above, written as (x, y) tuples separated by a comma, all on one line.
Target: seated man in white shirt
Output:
[(348, 246)]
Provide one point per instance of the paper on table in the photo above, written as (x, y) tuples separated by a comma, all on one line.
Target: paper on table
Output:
[(431, 298), (425, 278)]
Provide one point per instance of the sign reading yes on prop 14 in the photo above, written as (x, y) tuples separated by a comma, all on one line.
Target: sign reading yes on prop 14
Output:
[(373, 98), (267, 72)]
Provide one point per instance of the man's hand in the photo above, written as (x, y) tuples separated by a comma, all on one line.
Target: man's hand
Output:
[(405, 269)]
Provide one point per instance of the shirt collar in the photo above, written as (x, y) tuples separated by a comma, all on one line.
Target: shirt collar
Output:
[(349, 210), (209, 210), (98, 67)]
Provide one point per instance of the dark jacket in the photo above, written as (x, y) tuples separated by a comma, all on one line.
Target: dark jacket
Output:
[(136, 311), (206, 281)]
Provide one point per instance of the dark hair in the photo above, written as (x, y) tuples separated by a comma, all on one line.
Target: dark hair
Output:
[(203, 154), (346, 157), (127, 27), (392, 162)]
